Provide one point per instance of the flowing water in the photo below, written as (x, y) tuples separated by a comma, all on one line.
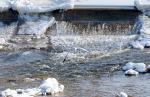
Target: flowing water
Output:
[(86, 56)]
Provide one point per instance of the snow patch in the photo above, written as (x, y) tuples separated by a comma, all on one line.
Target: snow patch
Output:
[(131, 72), (30, 6), (49, 86), (139, 67), (143, 5), (122, 94)]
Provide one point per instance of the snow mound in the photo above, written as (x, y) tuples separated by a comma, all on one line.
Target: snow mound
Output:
[(48, 87), (29, 6), (122, 94), (140, 67), (51, 86), (131, 72), (143, 5)]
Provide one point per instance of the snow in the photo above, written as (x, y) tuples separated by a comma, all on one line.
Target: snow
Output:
[(122, 94), (29, 6), (49, 86), (143, 5), (137, 45), (131, 72), (140, 67), (106, 2)]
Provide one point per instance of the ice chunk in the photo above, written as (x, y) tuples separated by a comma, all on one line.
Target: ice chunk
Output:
[(131, 72)]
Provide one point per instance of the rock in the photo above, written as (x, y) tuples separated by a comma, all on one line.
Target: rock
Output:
[(51, 86), (148, 68), (131, 72)]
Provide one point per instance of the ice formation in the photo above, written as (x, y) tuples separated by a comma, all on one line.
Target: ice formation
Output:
[(29, 6), (49, 86)]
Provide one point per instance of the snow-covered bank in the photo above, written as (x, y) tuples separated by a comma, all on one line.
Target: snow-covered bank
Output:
[(143, 5), (29, 6), (48, 87)]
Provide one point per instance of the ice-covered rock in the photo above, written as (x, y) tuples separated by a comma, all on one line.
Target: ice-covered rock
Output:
[(131, 72), (140, 67), (51, 86), (122, 94)]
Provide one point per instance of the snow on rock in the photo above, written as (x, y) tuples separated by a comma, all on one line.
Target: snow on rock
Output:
[(122, 94), (140, 67), (131, 72), (29, 6), (49, 86)]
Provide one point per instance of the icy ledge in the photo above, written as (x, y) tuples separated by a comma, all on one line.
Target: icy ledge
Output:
[(48, 87), (35, 6)]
